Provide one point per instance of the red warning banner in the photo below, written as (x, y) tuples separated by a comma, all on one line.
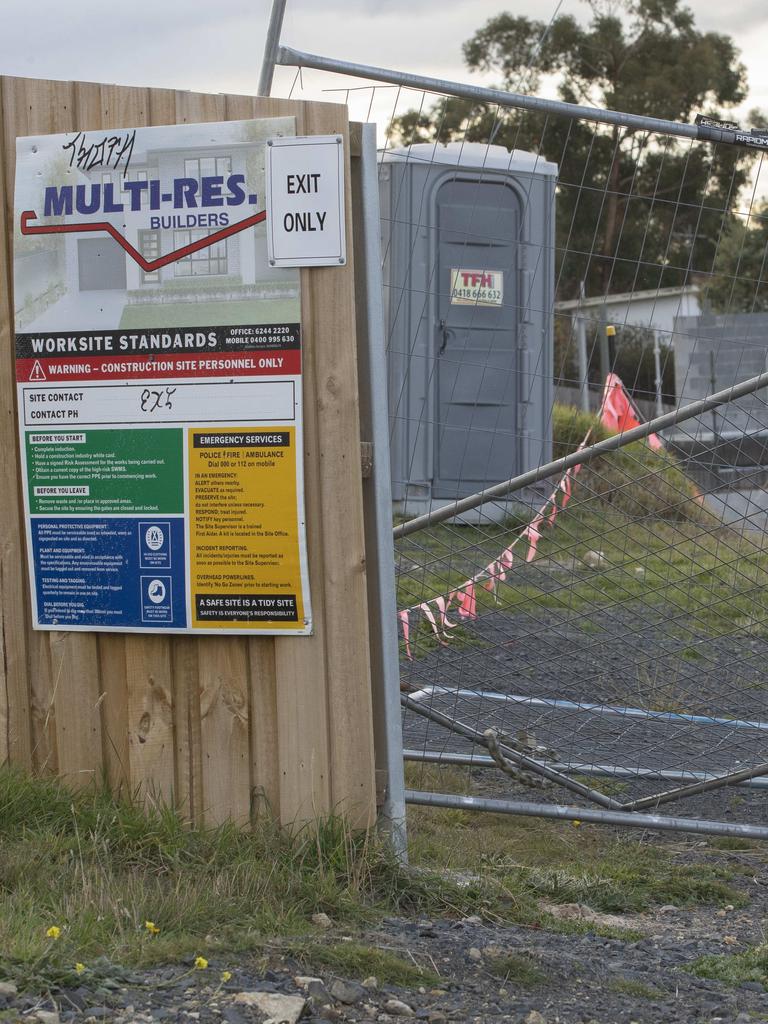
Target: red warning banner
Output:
[(142, 367)]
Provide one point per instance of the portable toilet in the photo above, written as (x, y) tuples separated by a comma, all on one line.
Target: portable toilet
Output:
[(468, 259)]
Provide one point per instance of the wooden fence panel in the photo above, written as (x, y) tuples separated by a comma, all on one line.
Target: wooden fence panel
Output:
[(223, 726)]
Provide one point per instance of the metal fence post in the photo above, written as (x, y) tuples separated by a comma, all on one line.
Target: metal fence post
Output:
[(271, 47), (374, 415)]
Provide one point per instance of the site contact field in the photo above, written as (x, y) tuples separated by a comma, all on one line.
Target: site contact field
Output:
[(160, 402)]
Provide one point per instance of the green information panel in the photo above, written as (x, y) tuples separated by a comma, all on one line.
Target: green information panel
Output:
[(106, 471)]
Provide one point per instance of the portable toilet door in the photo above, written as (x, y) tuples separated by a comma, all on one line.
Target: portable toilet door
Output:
[(476, 313)]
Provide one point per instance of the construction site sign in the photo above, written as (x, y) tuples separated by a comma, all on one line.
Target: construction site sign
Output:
[(158, 367)]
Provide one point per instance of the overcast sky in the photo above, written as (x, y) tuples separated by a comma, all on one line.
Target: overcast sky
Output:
[(194, 44)]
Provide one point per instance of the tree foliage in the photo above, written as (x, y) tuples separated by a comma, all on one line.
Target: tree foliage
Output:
[(634, 210), (739, 283)]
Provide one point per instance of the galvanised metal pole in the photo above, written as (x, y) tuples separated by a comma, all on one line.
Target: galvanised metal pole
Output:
[(271, 47), (581, 348), (587, 814), (602, 771), (389, 731), (599, 709), (581, 457), (637, 122)]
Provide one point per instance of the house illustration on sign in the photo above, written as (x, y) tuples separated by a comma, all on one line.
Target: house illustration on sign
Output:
[(102, 264)]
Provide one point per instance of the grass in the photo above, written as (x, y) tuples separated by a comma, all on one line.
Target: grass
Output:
[(216, 314), (355, 960), (528, 861), (517, 969), (733, 843), (734, 968), (99, 868), (636, 989)]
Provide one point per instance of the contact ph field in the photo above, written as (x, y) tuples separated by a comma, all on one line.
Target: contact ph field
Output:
[(166, 402)]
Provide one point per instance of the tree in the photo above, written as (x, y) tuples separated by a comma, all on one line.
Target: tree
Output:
[(634, 210), (739, 282)]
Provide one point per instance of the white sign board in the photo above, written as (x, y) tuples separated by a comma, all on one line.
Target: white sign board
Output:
[(159, 384), (305, 201), (477, 287)]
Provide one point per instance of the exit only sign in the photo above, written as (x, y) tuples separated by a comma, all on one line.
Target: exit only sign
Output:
[(305, 201)]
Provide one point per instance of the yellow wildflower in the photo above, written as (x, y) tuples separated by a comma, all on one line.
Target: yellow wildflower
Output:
[(79, 968), (226, 976), (53, 932), (151, 927), (200, 963)]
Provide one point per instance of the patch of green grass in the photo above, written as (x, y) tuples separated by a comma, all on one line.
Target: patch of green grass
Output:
[(732, 843), (734, 968), (691, 654), (517, 969), (608, 787), (98, 868), (574, 926), (354, 960), (625, 883), (636, 989), (204, 314), (528, 860)]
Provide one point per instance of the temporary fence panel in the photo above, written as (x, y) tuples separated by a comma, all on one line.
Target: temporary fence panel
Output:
[(222, 726), (587, 638)]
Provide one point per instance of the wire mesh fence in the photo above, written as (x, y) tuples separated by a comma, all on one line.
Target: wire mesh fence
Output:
[(599, 636)]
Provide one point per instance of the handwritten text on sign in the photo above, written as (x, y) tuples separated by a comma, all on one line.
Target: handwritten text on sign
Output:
[(305, 201)]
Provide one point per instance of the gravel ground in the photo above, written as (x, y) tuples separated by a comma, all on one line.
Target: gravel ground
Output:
[(578, 979)]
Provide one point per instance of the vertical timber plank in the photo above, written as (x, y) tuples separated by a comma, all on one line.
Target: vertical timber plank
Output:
[(346, 618), (75, 674), (174, 747), (264, 782), (300, 663), (150, 737), (264, 745), (15, 725), (180, 656), (224, 717), (149, 717), (186, 727)]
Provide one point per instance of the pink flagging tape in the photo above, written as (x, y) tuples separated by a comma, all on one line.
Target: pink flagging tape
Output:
[(533, 534), (619, 413), (507, 558), (433, 623), (467, 600), (405, 623), (566, 487), (443, 604)]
